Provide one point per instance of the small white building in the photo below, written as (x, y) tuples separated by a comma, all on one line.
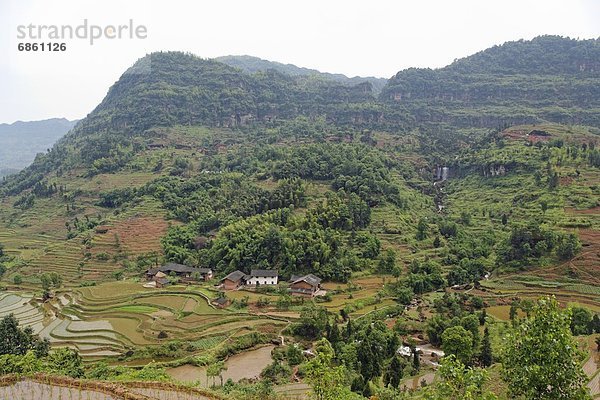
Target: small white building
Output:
[(262, 277)]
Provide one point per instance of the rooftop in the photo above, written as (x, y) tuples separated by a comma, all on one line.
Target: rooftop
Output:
[(235, 276), (311, 279), (264, 273), (178, 268)]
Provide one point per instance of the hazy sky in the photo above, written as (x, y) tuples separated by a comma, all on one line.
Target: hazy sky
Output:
[(367, 38)]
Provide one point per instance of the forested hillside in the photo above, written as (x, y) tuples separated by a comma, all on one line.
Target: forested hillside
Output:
[(547, 79)]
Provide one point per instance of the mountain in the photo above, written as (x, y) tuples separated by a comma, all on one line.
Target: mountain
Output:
[(169, 88), (422, 211), (21, 141), (544, 55), (252, 65), (172, 88), (549, 78)]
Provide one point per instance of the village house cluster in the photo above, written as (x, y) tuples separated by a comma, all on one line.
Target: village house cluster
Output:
[(299, 285)]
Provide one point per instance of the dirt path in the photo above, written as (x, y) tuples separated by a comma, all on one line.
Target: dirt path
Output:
[(591, 370), (594, 386)]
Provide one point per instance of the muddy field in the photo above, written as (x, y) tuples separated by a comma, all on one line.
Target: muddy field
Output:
[(247, 365), (29, 390)]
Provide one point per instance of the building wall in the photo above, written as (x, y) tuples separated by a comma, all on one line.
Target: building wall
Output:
[(262, 280), (230, 285), (302, 285)]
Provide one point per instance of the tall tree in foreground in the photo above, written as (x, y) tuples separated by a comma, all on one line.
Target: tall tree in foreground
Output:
[(541, 359), (326, 379), (459, 382), (17, 340)]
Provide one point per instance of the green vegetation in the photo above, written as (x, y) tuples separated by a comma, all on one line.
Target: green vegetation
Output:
[(432, 219), (542, 359)]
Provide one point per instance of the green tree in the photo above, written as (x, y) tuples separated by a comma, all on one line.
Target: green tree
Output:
[(387, 263), (416, 360), (471, 323), (66, 361), (313, 322), (422, 229), (541, 359), (512, 314), (553, 180), (45, 281), (568, 247), (394, 373), (293, 354), (544, 206), (486, 357), (581, 321), (457, 341), (326, 379), (459, 382), (17, 340), (370, 366)]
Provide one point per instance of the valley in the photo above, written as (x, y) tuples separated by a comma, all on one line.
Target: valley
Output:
[(429, 213)]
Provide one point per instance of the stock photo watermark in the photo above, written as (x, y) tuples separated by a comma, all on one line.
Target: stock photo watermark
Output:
[(35, 37)]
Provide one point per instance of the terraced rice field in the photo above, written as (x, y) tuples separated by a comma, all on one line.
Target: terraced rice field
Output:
[(503, 312), (165, 394), (42, 253), (92, 338), (23, 310), (107, 320), (47, 387), (28, 390), (38, 239), (566, 293)]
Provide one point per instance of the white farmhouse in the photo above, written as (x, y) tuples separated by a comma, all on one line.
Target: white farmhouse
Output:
[(262, 277)]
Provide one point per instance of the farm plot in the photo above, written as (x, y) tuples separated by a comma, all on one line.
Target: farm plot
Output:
[(92, 338), (20, 306), (28, 390), (138, 315), (48, 387), (247, 365), (531, 286), (108, 319)]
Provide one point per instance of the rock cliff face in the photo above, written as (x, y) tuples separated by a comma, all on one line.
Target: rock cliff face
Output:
[(506, 84), (494, 170)]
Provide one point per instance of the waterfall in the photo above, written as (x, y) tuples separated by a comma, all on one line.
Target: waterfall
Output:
[(445, 171)]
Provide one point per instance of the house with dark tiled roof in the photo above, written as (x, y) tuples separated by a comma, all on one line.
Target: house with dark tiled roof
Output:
[(306, 285), (234, 280), (182, 271), (221, 302)]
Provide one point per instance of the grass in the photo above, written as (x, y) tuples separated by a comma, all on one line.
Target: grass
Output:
[(137, 309)]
